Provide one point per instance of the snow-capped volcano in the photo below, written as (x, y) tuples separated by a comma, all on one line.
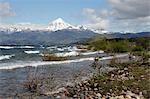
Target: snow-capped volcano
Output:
[(60, 24)]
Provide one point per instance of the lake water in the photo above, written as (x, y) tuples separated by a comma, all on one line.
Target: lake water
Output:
[(17, 62)]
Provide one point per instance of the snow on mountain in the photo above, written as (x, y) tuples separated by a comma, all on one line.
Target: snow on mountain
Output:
[(21, 27), (100, 31), (60, 24), (81, 27)]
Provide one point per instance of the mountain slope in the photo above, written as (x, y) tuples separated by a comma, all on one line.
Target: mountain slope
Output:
[(44, 38), (130, 35)]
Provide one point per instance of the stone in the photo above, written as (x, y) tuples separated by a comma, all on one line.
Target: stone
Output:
[(137, 97), (128, 97), (95, 89), (58, 97), (75, 96), (107, 96), (121, 97), (110, 90), (125, 68), (86, 88), (95, 84), (103, 97), (78, 90), (89, 89), (98, 95), (111, 98), (123, 75), (77, 86), (131, 77), (104, 82), (85, 81), (112, 75), (140, 93), (80, 84)]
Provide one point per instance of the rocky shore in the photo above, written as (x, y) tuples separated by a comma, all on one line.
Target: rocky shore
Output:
[(121, 80), (128, 81)]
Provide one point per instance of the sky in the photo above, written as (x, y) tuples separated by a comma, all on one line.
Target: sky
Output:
[(112, 15)]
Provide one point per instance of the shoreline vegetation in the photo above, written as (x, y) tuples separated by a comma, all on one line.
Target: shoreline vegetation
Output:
[(127, 80)]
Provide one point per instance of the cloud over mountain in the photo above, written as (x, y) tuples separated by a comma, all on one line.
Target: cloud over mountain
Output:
[(95, 21), (121, 15)]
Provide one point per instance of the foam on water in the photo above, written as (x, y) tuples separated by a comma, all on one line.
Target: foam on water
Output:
[(40, 63), (6, 47), (51, 47), (4, 57), (26, 47), (89, 53), (75, 53), (66, 54), (32, 52)]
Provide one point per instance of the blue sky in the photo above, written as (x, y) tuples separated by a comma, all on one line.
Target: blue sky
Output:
[(44, 11), (112, 15)]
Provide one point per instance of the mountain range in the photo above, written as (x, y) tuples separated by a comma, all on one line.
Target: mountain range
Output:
[(57, 32), (58, 24)]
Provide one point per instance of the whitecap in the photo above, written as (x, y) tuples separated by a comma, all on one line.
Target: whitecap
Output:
[(90, 53), (67, 54), (6, 47), (40, 63), (51, 47), (26, 47), (60, 49), (4, 57), (32, 52)]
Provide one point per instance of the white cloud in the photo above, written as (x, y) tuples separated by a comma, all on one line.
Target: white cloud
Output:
[(132, 25), (130, 15), (129, 9), (94, 21), (6, 10), (89, 11)]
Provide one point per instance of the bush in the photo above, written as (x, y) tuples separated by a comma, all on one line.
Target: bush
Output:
[(118, 47), (98, 44), (138, 48)]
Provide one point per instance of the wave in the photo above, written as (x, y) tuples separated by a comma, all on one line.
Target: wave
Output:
[(6, 47), (32, 52), (40, 63), (90, 53), (4, 57), (51, 47), (26, 47), (75, 53), (69, 48), (67, 54)]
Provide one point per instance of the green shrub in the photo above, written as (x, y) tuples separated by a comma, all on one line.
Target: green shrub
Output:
[(138, 48), (118, 47)]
